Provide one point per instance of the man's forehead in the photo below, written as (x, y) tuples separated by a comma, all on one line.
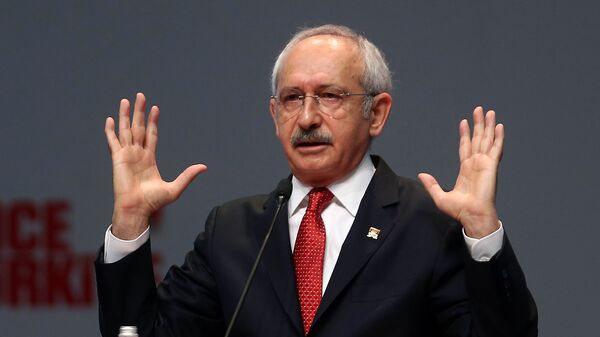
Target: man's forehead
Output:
[(321, 60)]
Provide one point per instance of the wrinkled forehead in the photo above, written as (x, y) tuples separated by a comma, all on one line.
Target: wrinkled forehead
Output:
[(322, 59)]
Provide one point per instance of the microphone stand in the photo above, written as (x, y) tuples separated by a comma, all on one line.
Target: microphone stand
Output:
[(280, 199)]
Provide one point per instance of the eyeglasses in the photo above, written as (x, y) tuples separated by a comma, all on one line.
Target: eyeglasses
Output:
[(328, 101)]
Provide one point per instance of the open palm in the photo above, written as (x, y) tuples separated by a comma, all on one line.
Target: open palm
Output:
[(138, 187), (472, 201)]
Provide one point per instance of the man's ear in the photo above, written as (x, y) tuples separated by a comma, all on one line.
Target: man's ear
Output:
[(272, 109), (380, 111)]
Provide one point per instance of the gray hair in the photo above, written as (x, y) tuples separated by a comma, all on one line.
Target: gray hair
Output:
[(376, 77)]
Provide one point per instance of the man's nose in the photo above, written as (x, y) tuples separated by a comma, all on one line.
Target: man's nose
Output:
[(310, 116)]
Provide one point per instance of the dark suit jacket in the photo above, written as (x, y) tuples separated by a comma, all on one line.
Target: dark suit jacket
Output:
[(416, 279)]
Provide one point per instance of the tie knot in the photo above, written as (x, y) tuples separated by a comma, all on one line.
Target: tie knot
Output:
[(318, 199)]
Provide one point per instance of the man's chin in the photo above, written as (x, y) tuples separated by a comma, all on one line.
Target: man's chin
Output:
[(316, 175)]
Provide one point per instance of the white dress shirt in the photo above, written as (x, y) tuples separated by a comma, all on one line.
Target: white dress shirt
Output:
[(337, 217)]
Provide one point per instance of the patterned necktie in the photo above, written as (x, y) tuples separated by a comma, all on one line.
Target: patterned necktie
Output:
[(308, 255)]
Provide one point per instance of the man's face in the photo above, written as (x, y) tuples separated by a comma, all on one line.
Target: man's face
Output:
[(334, 146)]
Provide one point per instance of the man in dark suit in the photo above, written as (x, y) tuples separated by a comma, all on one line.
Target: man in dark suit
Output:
[(357, 250)]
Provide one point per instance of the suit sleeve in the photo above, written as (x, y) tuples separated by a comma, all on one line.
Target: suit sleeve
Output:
[(500, 300), (497, 302), (184, 304)]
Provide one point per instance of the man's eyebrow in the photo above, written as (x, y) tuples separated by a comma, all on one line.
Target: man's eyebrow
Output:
[(290, 89), (319, 88), (328, 86)]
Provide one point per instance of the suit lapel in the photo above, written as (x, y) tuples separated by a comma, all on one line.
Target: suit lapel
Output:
[(277, 260), (355, 253), (358, 248)]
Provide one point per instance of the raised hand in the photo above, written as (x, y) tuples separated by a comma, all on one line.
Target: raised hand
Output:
[(138, 187), (473, 200)]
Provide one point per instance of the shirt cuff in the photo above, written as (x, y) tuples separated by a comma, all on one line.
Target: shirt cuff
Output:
[(116, 249), (484, 249)]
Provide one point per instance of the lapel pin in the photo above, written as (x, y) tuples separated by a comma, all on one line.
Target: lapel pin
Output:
[(373, 233)]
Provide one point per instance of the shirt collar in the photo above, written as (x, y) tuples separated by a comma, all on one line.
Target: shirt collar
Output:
[(348, 192)]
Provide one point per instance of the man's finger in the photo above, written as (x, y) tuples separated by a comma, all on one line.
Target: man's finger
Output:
[(111, 137), (478, 128), (488, 134), (432, 186), (151, 138), (124, 128), (186, 177), (497, 148), (464, 147), (137, 126)]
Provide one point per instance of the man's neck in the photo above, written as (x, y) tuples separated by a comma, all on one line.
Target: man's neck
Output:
[(348, 191)]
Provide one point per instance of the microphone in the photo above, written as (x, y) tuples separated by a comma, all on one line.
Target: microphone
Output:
[(282, 193)]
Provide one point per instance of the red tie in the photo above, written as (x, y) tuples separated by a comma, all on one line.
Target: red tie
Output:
[(308, 255)]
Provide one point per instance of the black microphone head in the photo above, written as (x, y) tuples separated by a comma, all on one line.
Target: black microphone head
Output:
[(284, 189)]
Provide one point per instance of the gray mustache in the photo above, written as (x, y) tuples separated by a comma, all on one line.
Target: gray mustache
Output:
[(310, 136)]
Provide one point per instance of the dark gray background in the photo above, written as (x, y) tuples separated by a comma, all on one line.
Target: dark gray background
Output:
[(64, 66)]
